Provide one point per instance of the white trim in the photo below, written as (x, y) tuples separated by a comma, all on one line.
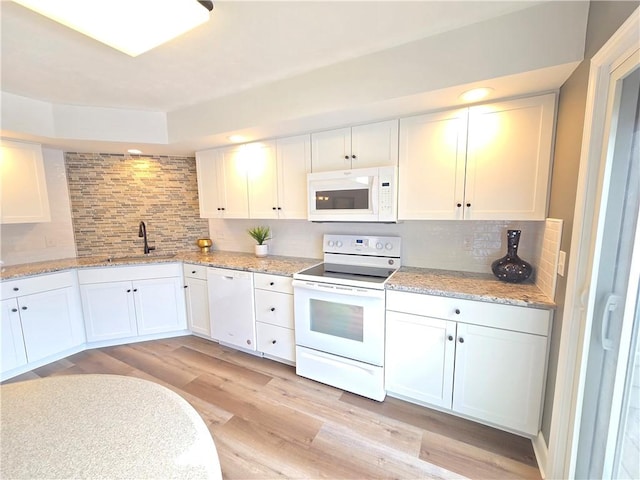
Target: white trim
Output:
[(541, 452), (564, 425)]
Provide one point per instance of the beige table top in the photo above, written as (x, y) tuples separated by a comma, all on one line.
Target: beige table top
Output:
[(101, 426)]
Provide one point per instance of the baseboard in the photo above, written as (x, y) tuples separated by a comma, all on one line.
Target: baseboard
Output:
[(542, 452)]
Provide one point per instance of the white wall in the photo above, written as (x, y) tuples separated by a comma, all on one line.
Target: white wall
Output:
[(34, 242), (453, 245)]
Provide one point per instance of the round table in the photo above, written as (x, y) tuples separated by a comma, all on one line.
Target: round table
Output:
[(101, 426)]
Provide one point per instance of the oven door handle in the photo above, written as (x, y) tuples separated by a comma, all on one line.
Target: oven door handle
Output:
[(340, 289)]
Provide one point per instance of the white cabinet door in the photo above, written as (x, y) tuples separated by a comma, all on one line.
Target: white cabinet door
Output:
[(234, 163), (23, 187), (262, 175), (109, 310), (294, 163), (420, 358), (509, 159), (499, 377), (50, 322), (231, 307), (159, 305), (210, 184), (276, 341), (375, 145), (13, 352), (362, 146), (274, 308), (432, 166), (331, 150), (197, 300)]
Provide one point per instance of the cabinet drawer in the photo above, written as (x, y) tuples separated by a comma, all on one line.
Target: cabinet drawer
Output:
[(276, 341), (40, 283), (276, 283), (506, 317), (274, 308), (195, 271)]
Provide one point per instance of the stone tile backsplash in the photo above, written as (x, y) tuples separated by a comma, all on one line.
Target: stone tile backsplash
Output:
[(110, 194)]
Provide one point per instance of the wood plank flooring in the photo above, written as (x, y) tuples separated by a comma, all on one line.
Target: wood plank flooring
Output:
[(269, 423)]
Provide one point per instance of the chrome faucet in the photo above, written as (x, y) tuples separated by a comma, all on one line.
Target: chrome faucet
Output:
[(142, 233)]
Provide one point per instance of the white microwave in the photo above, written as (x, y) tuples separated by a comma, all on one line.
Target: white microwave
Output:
[(358, 195)]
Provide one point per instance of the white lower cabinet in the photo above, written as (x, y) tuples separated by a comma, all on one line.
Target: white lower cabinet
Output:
[(121, 302), (231, 307), (483, 361), (41, 318), (197, 299), (274, 316)]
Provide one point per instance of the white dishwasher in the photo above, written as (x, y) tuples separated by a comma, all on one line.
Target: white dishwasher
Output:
[(231, 307)]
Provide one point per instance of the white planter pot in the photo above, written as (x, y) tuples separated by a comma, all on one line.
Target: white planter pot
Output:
[(261, 250)]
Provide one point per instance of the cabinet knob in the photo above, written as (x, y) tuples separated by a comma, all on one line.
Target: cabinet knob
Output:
[(186, 286), (128, 290), (346, 157), (279, 208), (273, 309), (468, 204), (193, 272), (14, 310), (461, 340), (271, 284), (273, 208), (15, 289), (248, 342), (24, 308), (458, 205), (273, 342), (457, 311), (218, 209), (222, 208), (135, 289), (353, 156)]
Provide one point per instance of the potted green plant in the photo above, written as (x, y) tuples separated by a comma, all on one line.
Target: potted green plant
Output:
[(260, 234)]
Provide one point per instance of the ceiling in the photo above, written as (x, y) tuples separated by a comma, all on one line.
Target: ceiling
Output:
[(244, 46)]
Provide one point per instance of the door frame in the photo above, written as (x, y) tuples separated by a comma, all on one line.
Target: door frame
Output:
[(565, 422)]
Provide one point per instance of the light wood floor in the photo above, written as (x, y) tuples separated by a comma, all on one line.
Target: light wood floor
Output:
[(269, 423)]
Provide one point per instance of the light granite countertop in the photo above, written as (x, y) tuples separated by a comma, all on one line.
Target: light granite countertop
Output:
[(472, 286)]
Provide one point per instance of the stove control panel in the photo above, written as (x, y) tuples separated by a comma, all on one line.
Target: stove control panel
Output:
[(363, 245)]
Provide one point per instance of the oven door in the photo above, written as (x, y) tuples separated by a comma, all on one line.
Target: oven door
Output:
[(350, 195), (342, 320)]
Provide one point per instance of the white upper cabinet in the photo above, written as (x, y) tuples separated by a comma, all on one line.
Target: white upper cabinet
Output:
[(222, 183), (488, 162), (256, 180), (23, 188), (363, 146)]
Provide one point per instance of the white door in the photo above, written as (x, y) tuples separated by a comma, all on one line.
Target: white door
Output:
[(375, 145), (262, 175), (159, 304), (48, 323), (109, 311), (208, 184), (613, 295), (499, 377), (197, 300), (331, 150), (234, 163), (294, 163), (13, 352), (419, 358), (509, 159), (432, 166)]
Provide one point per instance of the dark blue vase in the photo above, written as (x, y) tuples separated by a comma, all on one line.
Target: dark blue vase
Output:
[(512, 268)]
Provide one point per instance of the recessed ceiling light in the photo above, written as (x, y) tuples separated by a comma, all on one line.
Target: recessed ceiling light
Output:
[(134, 151), (236, 138), (133, 27), (476, 94)]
